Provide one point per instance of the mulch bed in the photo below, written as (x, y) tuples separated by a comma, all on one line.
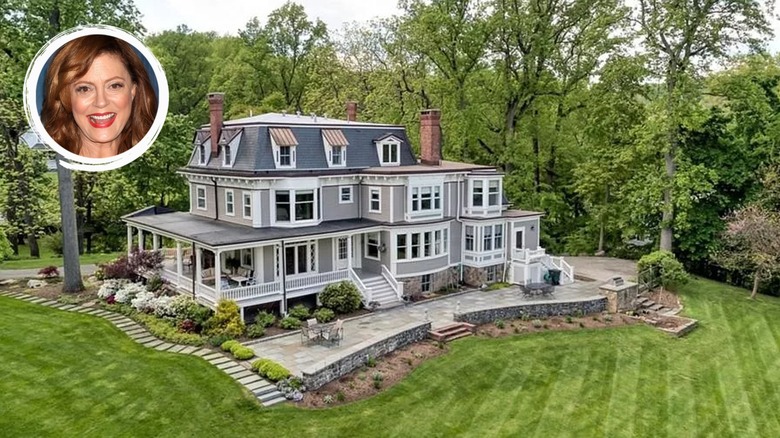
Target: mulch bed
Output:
[(555, 323), (665, 298), (359, 384)]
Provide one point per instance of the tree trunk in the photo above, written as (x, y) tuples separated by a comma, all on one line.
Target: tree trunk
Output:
[(70, 254), (535, 143), (756, 280), (32, 242), (667, 220)]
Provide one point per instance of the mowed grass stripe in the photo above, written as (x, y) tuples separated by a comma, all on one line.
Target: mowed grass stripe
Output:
[(618, 421)]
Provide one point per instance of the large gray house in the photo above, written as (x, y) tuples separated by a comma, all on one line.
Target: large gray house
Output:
[(282, 205)]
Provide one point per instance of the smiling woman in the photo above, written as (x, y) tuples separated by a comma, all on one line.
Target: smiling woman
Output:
[(99, 100)]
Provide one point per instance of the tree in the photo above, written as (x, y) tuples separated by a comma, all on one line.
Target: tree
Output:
[(752, 242), (684, 37)]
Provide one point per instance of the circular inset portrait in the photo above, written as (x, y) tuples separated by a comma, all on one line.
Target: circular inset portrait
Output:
[(97, 96)]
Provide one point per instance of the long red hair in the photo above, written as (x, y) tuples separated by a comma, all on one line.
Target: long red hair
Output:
[(69, 64)]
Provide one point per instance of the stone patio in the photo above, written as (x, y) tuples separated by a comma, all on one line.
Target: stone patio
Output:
[(289, 351)]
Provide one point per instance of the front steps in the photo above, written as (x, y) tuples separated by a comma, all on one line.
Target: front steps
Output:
[(647, 305), (453, 331), (381, 292)]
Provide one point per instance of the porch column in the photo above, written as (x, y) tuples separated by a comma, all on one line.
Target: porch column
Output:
[(349, 251), (178, 262), (198, 264), (129, 239), (242, 313), (218, 274), (155, 241), (140, 239)]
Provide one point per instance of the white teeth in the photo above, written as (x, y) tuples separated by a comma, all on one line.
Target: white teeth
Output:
[(101, 118)]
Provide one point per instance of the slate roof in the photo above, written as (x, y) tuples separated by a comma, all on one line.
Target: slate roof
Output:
[(255, 154)]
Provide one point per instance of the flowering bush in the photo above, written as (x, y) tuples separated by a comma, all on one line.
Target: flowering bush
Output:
[(110, 287), (128, 292), (144, 302), (49, 272)]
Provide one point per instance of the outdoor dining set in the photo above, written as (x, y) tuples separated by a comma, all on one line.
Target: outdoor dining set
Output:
[(322, 333)]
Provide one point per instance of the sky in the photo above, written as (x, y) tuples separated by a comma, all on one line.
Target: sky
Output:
[(228, 16)]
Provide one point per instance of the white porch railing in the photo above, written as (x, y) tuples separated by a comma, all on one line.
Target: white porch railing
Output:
[(316, 280), (181, 281), (526, 255), (251, 292), (397, 287), (201, 290), (366, 292), (565, 267)]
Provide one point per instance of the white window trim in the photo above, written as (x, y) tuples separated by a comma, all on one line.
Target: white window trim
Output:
[(225, 161), (250, 251), (232, 203), (380, 149), (371, 191), (277, 155), (244, 196), (484, 209), (351, 195), (308, 244), (203, 158), (443, 246), (205, 198), (378, 246), (292, 222)]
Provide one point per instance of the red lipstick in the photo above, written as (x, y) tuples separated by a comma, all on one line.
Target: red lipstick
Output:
[(101, 120)]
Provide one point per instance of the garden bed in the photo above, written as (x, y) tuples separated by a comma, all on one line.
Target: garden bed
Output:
[(556, 323), (360, 384), (674, 325)]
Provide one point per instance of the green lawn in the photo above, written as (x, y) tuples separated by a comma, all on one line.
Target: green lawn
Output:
[(24, 261), (74, 375)]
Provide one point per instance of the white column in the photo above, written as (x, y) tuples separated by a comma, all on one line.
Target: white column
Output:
[(129, 239), (155, 241), (349, 251), (140, 239), (178, 262), (242, 313), (218, 274), (198, 264)]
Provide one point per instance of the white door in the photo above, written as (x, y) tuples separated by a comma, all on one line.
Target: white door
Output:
[(342, 252)]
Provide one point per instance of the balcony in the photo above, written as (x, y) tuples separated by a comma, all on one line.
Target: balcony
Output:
[(527, 256)]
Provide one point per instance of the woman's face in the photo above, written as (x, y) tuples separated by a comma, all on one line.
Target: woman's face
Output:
[(102, 101)]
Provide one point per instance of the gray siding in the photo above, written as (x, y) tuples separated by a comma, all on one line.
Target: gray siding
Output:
[(456, 242), (450, 201), (325, 255), (399, 203), (268, 263), (209, 212), (384, 198), (414, 266), (265, 207), (531, 236), (238, 217), (332, 210)]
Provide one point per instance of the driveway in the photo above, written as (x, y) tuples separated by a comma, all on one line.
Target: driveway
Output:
[(24, 273)]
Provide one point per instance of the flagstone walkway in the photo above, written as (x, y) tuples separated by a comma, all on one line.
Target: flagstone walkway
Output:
[(265, 391), (289, 351)]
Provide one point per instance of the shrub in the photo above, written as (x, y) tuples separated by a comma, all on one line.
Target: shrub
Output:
[(243, 353), (378, 378), (155, 283), (292, 388), (265, 319), (227, 320), (323, 314), (110, 287), (662, 265), (49, 272), (498, 285), (183, 307), (129, 291), (134, 265), (270, 370), (255, 330), (6, 251), (607, 318), (299, 312), (53, 242), (568, 319), (228, 345), (340, 396), (537, 323), (187, 326), (343, 297), (290, 323), (500, 323), (328, 399), (218, 340), (164, 330), (371, 362)]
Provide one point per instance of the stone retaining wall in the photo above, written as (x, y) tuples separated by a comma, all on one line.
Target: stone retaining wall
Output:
[(356, 356), (535, 310)]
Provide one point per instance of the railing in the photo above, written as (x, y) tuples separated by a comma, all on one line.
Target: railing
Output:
[(526, 255), (366, 292), (316, 280), (253, 291), (397, 287), (181, 281), (209, 294), (565, 267)]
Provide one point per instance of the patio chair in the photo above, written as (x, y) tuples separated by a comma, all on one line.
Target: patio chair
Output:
[(336, 333), (309, 335), (311, 322)]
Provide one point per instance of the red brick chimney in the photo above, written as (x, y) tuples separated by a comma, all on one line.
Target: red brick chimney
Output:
[(216, 103), (351, 111), (430, 137)]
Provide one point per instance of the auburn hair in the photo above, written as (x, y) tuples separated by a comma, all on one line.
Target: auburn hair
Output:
[(70, 63)]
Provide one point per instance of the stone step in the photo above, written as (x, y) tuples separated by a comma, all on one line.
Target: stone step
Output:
[(259, 384), (274, 401), (648, 303), (641, 300), (266, 392), (452, 332), (656, 307)]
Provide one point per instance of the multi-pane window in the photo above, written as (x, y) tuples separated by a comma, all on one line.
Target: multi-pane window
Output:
[(487, 238), (337, 155), (247, 205), (229, 203), (246, 257), (490, 274), (400, 245), (202, 154), (437, 242), (416, 245), (201, 197), (283, 206), (425, 283), (493, 189), (411, 246), (300, 258), (390, 153), (295, 205), (469, 238), (285, 156), (226, 155), (476, 197), (345, 195), (343, 249), (426, 198), (375, 200), (498, 236), (304, 205), (372, 245)]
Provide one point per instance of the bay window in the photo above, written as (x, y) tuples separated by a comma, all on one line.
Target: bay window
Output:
[(296, 205)]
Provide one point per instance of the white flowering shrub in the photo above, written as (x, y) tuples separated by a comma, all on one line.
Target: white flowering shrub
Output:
[(144, 301), (128, 292), (162, 306), (110, 287)]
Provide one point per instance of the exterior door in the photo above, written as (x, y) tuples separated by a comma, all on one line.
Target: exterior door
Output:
[(519, 244), (342, 253)]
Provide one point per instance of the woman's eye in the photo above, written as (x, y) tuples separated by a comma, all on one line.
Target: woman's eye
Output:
[(82, 89), (117, 86)]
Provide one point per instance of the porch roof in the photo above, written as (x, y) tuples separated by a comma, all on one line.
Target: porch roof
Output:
[(212, 233)]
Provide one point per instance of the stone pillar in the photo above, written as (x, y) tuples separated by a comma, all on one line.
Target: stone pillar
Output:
[(621, 295)]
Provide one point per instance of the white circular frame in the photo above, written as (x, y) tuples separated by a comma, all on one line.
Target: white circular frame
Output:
[(75, 161)]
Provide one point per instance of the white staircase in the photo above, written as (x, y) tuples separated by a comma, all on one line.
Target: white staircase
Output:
[(567, 271), (381, 291)]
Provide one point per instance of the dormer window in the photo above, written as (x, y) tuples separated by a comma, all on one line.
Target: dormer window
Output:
[(226, 159), (388, 149), (202, 145), (335, 144), (283, 143), (229, 142), (202, 154)]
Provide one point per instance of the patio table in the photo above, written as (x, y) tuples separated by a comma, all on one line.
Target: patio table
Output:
[(240, 279), (534, 289)]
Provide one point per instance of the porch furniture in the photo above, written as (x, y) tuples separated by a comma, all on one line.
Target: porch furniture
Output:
[(239, 279), (311, 322), (336, 333), (310, 334), (536, 289), (207, 275), (187, 259)]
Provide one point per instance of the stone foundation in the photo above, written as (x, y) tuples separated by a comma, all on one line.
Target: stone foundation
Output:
[(478, 276), (537, 310), (357, 356), (620, 298), (439, 280)]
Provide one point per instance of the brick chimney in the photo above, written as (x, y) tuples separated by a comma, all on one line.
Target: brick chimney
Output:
[(351, 111), (216, 103), (430, 137)]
